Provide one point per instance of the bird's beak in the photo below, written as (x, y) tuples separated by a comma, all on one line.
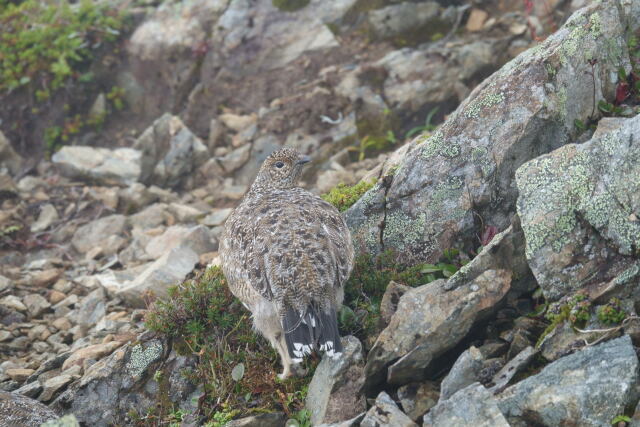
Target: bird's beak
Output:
[(303, 159)]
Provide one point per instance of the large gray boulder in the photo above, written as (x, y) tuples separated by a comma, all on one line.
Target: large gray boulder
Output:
[(129, 379), (465, 170), (429, 321), (579, 207), (587, 388)]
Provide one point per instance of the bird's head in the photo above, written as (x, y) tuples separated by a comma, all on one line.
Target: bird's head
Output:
[(281, 169)]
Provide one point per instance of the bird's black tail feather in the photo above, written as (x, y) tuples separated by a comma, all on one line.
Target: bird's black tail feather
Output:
[(316, 330)]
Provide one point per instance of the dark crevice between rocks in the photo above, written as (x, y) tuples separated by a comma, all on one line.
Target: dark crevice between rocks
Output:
[(386, 184)]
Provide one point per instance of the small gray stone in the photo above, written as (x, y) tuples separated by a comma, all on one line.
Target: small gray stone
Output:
[(166, 271), (385, 412), (217, 217), (31, 389), (417, 398), (334, 392), (53, 385), (48, 215), (464, 372), (98, 233), (36, 304), (471, 406), (275, 419)]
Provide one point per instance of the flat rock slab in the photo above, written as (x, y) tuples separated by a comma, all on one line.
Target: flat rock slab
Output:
[(472, 406), (102, 165), (428, 322), (587, 388)]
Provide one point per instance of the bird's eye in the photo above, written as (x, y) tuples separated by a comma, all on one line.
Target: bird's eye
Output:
[(279, 165)]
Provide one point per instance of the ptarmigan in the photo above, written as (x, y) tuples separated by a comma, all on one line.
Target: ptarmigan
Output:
[(287, 254)]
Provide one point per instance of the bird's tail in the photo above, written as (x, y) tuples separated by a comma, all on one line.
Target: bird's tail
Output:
[(315, 330)]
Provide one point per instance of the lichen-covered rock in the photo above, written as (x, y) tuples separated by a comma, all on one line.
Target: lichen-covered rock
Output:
[(579, 207), (20, 411), (428, 322), (134, 377), (170, 153), (471, 406), (385, 412), (334, 392), (466, 168), (587, 388), (120, 166)]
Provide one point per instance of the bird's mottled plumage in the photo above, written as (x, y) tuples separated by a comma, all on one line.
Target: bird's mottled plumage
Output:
[(287, 254)]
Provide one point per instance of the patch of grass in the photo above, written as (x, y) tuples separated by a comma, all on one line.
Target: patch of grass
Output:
[(45, 44), (344, 196), (369, 280), (290, 5), (205, 320), (575, 309)]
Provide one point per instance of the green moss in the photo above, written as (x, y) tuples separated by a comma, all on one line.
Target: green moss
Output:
[(45, 44), (344, 196), (290, 5)]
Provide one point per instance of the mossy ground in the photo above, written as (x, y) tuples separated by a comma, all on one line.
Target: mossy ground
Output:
[(206, 321)]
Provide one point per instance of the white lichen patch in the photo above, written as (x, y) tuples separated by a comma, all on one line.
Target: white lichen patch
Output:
[(143, 355), (483, 103)]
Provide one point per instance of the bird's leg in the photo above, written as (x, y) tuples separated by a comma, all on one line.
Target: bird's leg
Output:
[(281, 347)]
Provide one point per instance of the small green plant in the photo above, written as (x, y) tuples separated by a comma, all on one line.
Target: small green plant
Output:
[(427, 127), (611, 313), (580, 308), (290, 5), (344, 196), (116, 97), (620, 419), (371, 143)]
